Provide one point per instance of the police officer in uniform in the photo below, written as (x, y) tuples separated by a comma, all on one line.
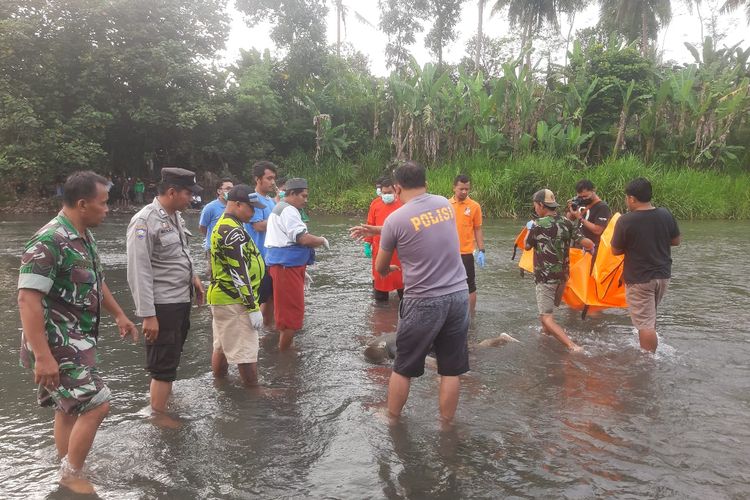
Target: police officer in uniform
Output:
[(162, 279)]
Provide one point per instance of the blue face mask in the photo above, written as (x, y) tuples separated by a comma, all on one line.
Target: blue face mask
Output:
[(282, 193), (378, 192), (388, 198)]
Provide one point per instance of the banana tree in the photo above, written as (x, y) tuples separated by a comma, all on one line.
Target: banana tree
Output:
[(651, 123), (627, 102)]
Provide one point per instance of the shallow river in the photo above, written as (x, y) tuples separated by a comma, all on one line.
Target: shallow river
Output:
[(533, 421)]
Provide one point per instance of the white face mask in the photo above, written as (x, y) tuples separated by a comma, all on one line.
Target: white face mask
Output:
[(388, 198), (378, 192)]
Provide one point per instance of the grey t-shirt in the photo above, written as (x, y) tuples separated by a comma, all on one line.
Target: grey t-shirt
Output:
[(424, 233)]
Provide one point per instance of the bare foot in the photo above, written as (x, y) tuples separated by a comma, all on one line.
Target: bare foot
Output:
[(77, 485), (575, 348), (383, 415), (446, 425), (503, 339), (165, 421)]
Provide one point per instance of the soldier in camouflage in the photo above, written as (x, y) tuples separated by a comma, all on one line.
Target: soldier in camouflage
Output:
[(551, 236), (61, 291), (237, 270)]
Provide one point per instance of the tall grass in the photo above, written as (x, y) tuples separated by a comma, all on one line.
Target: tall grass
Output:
[(504, 187)]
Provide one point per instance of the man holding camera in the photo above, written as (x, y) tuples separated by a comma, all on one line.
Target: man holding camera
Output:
[(591, 212)]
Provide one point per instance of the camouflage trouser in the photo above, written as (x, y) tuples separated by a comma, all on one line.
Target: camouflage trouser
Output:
[(81, 389)]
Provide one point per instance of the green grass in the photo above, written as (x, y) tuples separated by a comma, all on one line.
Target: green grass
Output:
[(504, 187)]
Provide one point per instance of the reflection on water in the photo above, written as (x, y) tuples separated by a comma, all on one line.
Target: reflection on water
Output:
[(534, 421)]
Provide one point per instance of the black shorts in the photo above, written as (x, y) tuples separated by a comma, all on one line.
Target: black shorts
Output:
[(163, 354), (439, 322), (471, 275), (265, 291)]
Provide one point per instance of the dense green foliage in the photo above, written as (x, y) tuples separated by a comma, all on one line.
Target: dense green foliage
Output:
[(504, 186), (127, 86)]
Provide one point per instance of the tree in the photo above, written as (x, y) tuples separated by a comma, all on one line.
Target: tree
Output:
[(636, 18), (480, 35), (341, 12), (446, 14), (298, 27), (495, 52), (401, 22), (530, 15), (107, 84), (731, 5)]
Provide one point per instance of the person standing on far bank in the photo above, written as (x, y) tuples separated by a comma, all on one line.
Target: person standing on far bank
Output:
[(645, 235), (163, 281), (434, 313), (61, 289), (470, 236)]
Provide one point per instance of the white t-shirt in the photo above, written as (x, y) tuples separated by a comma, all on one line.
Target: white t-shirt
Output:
[(284, 226)]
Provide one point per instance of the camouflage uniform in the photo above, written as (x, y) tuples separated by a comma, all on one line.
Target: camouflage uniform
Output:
[(551, 238), (65, 267)]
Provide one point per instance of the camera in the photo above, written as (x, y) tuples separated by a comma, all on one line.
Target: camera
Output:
[(576, 203)]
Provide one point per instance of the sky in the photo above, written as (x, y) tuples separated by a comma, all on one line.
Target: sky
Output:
[(685, 27)]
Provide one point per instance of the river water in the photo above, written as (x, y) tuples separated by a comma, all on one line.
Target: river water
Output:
[(534, 421)]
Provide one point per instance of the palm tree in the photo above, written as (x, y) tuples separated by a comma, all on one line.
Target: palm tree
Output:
[(340, 17), (530, 14), (633, 18), (478, 56), (341, 13), (731, 5)]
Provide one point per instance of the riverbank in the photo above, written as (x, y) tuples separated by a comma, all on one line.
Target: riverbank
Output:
[(502, 186)]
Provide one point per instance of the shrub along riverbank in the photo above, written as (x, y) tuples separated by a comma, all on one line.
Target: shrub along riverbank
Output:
[(504, 186)]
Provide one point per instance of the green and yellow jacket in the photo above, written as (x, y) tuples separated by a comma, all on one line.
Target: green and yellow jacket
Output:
[(237, 267)]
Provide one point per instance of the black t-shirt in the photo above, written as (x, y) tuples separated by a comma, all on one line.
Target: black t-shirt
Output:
[(646, 237), (598, 214)]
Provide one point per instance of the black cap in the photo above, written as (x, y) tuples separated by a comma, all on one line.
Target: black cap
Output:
[(180, 177), (245, 194), (295, 183)]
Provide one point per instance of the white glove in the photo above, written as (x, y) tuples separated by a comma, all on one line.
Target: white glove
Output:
[(326, 245), (308, 282), (256, 318)]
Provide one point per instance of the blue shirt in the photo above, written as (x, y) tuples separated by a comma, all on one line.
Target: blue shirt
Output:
[(261, 214), (209, 216)]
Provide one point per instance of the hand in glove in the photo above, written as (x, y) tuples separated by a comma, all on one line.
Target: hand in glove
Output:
[(368, 250), (480, 258), (326, 245), (256, 318), (308, 282), (530, 224)]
